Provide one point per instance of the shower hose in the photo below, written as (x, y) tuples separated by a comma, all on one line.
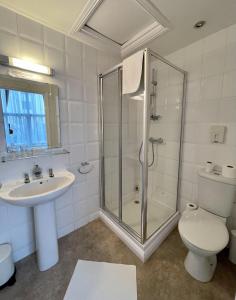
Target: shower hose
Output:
[(153, 155)]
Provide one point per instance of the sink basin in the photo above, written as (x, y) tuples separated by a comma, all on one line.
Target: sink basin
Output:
[(40, 194), (38, 191)]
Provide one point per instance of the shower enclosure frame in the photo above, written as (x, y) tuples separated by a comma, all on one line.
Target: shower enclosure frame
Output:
[(141, 239)]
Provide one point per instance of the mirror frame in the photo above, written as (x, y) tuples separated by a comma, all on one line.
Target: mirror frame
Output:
[(51, 97)]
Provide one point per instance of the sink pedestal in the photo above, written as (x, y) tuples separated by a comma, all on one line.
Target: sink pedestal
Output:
[(46, 235), (41, 194)]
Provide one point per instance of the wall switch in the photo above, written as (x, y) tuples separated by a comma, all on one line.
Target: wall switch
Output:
[(217, 133)]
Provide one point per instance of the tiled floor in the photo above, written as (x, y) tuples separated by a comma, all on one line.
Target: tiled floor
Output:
[(162, 277)]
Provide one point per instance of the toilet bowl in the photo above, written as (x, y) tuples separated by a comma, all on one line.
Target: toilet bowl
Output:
[(204, 234)]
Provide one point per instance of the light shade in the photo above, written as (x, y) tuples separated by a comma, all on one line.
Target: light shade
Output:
[(25, 65)]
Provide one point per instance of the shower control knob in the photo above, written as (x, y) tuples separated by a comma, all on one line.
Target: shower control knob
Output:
[(155, 117)]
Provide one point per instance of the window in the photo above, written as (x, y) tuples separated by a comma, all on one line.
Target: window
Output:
[(24, 119)]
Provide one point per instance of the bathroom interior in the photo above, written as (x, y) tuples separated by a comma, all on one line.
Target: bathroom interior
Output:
[(117, 150)]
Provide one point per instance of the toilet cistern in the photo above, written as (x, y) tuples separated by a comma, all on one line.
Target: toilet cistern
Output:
[(203, 230)]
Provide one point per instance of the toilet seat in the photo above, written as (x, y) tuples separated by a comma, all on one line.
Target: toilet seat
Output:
[(203, 230)]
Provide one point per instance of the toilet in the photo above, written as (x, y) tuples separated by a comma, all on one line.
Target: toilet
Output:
[(203, 229)]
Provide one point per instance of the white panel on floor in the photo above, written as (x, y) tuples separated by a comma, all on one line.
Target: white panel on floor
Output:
[(102, 281)]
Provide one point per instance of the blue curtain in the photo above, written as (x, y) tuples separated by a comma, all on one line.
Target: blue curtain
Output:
[(24, 119)]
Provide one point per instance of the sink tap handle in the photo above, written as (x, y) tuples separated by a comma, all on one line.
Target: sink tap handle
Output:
[(26, 177), (50, 171)]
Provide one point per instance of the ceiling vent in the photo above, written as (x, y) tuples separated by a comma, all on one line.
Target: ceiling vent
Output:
[(121, 25)]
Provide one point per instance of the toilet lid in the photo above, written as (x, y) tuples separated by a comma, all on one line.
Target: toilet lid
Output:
[(203, 230)]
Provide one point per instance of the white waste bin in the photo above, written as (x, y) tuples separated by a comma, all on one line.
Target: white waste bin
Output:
[(7, 268), (232, 250)]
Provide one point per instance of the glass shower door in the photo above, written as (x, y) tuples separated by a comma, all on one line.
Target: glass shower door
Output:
[(132, 125), (111, 112), (164, 140), (122, 125)]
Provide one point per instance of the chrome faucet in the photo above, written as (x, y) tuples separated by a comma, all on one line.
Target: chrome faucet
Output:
[(37, 172)]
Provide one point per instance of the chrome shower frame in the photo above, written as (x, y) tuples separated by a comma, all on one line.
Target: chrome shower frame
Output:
[(147, 92)]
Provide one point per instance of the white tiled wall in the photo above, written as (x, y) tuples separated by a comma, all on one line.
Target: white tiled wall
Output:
[(76, 66), (211, 99)]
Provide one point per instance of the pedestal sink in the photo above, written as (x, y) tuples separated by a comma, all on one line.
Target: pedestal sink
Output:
[(40, 194)]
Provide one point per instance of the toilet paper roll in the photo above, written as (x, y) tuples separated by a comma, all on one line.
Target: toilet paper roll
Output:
[(229, 171), (191, 206)]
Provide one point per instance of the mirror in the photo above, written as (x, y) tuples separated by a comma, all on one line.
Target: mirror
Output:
[(29, 115)]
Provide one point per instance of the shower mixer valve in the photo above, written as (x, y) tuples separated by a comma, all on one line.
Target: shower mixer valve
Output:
[(155, 117), (156, 141)]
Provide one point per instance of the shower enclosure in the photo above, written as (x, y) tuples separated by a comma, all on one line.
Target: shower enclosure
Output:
[(140, 151)]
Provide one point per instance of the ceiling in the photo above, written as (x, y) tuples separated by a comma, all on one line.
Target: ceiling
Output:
[(61, 15), (183, 14), (57, 14)]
